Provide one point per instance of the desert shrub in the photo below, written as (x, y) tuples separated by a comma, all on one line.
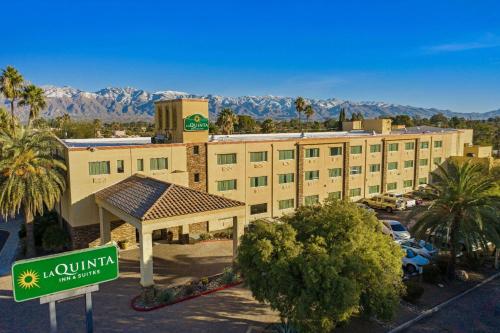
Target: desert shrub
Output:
[(54, 238), (285, 327), (228, 276), (204, 281), (167, 295), (205, 236), (432, 274), (189, 289), (414, 291)]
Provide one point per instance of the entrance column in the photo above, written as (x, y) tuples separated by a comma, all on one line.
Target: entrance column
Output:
[(238, 230), (104, 227), (146, 257)]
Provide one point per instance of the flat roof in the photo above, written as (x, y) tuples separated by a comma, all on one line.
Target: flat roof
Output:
[(106, 142)]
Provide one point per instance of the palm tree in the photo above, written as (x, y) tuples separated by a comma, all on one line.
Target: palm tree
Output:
[(32, 179), (300, 104), (309, 112), (97, 126), (11, 82), (33, 97), (465, 207), (226, 121)]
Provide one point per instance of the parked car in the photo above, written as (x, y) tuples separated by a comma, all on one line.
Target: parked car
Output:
[(397, 231), (424, 249), (413, 262), (384, 202), (362, 205), (409, 202)]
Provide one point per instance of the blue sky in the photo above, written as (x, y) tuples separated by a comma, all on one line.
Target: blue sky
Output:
[(443, 54)]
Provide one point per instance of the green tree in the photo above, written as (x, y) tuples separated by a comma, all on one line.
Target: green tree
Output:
[(97, 126), (11, 82), (300, 105), (32, 179), (5, 120), (268, 126), (34, 98), (402, 119), (321, 265), (439, 119), (465, 207), (246, 124), (342, 118), (357, 116), (309, 112), (226, 121)]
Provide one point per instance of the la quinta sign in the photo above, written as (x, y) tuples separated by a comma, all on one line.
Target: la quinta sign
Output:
[(43, 276), (195, 122)]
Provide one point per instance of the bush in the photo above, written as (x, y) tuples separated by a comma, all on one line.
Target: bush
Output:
[(432, 274), (414, 291), (189, 289), (205, 236), (54, 238), (228, 276), (167, 295), (204, 281)]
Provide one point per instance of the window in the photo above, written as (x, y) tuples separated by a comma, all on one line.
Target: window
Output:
[(259, 156), (285, 204), (356, 149), (408, 183), (120, 166), (226, 185), (409, 164), (160, 163), (424, 144), (258, 209), (258, 181), (312, 152), (392, 186), (437, 160), (438, 144), (393, 146), (375, 148), (335, 195), (286, 154), (196, 177), (374, 167), (286, 178), (422, 181), (354, 192), (356, 170), (335, 172), (424, 162), (409, 145), (335, 151), (311, 200), (196, 150), (392, 165), (374, 189), (226, 159), (99, 168), (311, 175), (140, 164)]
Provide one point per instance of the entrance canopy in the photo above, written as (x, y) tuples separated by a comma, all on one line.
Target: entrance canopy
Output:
[(150, 204)]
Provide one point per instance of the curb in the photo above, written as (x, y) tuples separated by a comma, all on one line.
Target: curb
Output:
[(438, 307), (139, 309)]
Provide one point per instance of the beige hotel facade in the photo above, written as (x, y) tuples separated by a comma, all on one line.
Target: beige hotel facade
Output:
[(271, 174)]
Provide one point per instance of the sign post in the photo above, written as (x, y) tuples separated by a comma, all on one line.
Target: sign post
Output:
[(66, 275)]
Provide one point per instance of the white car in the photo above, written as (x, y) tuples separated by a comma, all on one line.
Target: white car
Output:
[(422, 248), (409, 202), (413, 262), (397, 231)]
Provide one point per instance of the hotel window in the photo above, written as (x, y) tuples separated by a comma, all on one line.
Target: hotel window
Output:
[(312, 152), (424, 144), (354, 192), (160, 163), (312, 175), (99, 168), (356, 170), (374, 189), (409, 164), (120, 166), (258, 209), (226, 185), (196, 150), (374, 167), (335, 172), (393, 147), (424, 162), (285, 204), (140, 164), (311, 200), (408, 183), (375, 148), (259, 156), (438, 144), (356, 149), (258, 181), (392, 186), (286, 178), (422, 181), (226, 159), (409, 145), (335, 151), (392, 165), (335, 195), (196, 177), (286, 155), (437, 160)]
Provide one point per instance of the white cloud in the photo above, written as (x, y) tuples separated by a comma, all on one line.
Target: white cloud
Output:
[(488, 41)]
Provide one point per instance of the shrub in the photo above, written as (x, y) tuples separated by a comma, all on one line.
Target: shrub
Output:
[(432, 274), (414, 291), (228, 276), (205, 236), (204, 281), (167, 295)]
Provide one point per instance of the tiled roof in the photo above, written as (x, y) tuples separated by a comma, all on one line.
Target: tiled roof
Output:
[(148, 199)]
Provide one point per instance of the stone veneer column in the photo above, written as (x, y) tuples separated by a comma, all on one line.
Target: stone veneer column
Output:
[(300, 175), (383, 180), (90, 235), (346, 170), (416, 167), (197, 163)]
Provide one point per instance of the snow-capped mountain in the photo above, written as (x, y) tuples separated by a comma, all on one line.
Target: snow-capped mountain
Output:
[(125, 104)]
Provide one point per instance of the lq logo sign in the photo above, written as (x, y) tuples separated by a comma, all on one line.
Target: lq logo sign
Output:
[(52, 274), (195, 122)]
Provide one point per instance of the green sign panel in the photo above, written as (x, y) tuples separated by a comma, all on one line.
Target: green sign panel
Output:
[(43, 276), (195, 122)]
